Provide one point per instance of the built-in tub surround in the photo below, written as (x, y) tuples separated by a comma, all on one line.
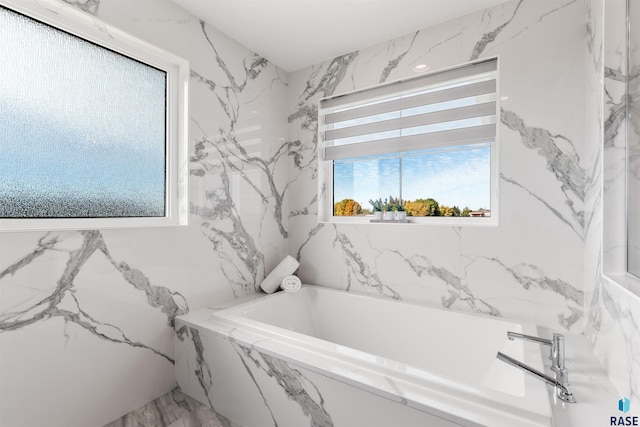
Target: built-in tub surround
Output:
[(327, 357), (531, 266), (86, 317)]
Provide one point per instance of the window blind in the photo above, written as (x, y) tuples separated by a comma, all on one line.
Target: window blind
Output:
[(447, 108)]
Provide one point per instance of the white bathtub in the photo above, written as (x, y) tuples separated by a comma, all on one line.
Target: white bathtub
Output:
[(332, 358)]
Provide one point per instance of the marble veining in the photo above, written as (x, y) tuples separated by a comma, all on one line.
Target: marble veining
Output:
[(617, 108), (333, 75), (174, 409), (393, 63), (265, 401), (322, 83), (224, 228), (551, 13), (64, 302), (89, 6), (421, 265), (594, 44), (295, 385), (305, 210), (312, 233), (264, 372), (202, 372), (359, 269), (564, 163), (490, 37), (528, 276), (224, 155), (556, 212)]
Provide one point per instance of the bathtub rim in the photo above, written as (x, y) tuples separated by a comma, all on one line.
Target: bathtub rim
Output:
[(433, 394)]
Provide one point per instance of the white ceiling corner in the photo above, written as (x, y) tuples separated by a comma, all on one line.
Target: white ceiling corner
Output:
[(295, 34)]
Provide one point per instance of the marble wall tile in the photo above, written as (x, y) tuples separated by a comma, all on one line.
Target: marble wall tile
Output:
[(615, 137), (534, 258), (614, 331), (612, 322), (592, 159), (86, 317)]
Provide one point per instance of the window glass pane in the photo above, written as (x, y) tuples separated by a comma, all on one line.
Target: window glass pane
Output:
[(454, 178), (83, 127), (362, 179), (436, 182)]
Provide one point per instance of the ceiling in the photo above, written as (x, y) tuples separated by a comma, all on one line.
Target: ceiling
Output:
[(294, 34)]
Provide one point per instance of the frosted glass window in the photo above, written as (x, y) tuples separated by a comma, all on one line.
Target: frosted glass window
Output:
[(84, 128)]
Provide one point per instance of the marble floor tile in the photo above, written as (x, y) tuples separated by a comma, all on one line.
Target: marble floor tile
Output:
[(173, 409)]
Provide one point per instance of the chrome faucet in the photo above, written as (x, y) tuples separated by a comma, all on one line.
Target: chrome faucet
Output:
[(556, 344), (561, 381)]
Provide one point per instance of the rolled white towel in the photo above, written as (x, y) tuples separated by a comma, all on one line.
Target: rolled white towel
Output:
[(291, 284), (287, 267)]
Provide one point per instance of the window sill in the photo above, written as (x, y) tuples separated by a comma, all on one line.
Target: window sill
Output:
[(434, 221), (628, 282)]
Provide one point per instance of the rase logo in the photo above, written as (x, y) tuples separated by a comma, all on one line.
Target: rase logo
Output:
[(624, 405)]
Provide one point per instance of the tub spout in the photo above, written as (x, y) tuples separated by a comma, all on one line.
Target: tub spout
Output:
[(556, 344), (562, 391)]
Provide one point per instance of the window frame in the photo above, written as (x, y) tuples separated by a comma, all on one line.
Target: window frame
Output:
[(326, 181), (68, 19)]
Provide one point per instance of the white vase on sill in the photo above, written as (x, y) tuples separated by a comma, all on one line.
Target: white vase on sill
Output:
[(388, 215), (400, 215), (377, 215)]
